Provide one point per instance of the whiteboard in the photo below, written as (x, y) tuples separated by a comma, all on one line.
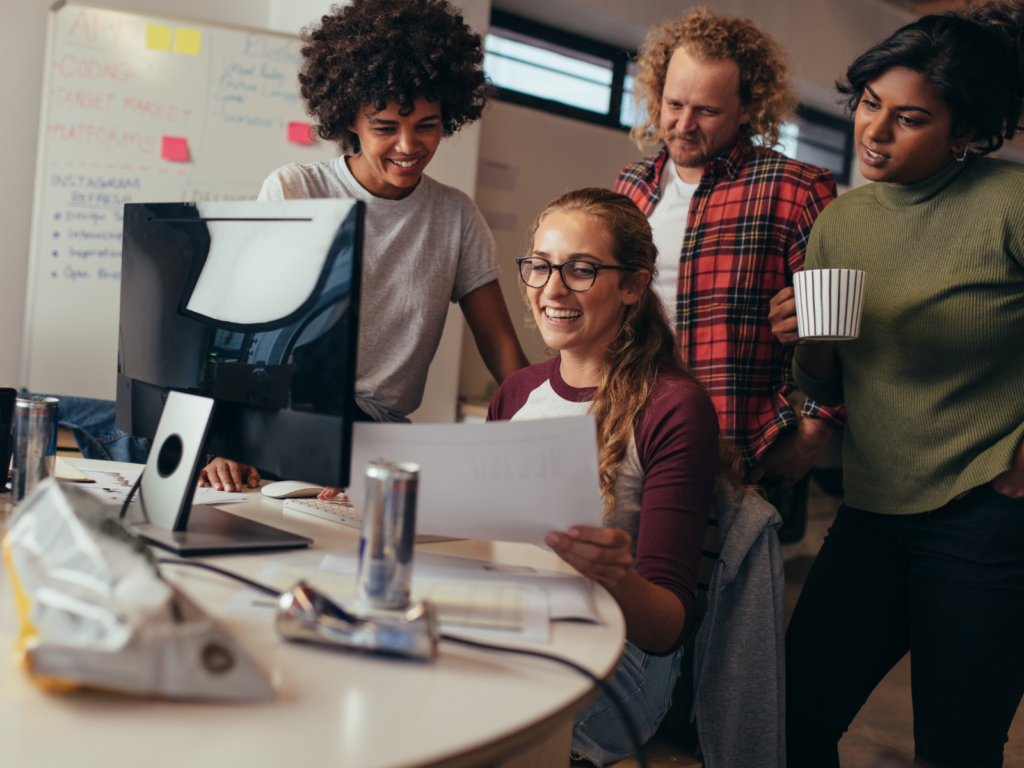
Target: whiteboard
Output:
[(116, 86)]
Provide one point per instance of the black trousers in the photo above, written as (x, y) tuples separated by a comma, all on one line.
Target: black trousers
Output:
[(947, 586)]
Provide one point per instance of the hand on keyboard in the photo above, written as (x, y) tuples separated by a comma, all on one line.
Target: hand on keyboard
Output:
[(330, 493)]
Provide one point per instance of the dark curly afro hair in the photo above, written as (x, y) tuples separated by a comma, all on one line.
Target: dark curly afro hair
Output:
[(379, 52)]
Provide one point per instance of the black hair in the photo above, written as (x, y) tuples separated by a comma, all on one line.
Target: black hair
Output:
[(974, 57), (376, 52)]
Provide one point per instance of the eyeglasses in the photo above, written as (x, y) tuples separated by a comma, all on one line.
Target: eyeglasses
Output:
[(578, 276)]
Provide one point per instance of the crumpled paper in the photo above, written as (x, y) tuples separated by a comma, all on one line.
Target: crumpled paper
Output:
[(96, 614)]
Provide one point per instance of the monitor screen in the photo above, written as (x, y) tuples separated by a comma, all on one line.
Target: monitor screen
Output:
[(256, 305)]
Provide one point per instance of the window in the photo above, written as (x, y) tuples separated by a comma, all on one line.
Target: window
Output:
[(555, 71), (627, 113), (820, 139), (544, 68)]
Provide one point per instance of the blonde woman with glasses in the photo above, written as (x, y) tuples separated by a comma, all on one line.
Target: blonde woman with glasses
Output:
[(587, 279)]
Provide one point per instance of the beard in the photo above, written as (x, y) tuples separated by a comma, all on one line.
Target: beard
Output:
[(703, 153)]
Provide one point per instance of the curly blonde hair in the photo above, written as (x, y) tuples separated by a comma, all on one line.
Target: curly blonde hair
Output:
[(764, 75)]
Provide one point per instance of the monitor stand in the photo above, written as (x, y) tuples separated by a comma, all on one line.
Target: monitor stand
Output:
[(165, 495)]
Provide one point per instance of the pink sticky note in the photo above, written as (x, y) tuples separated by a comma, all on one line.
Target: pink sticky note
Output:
[(299, 133), (175, 148)]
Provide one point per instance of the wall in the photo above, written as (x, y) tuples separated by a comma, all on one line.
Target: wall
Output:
[(22, 45)]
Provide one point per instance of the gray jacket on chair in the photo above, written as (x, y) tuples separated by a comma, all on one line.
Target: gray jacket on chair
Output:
[(739, 659)]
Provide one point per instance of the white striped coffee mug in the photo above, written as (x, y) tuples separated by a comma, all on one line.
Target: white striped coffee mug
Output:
[(828, 303)]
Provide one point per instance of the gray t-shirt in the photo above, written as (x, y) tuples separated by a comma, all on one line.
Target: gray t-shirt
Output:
[(419, 253)]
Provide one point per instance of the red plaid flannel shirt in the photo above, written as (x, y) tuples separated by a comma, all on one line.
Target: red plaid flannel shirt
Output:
[(746, 235)]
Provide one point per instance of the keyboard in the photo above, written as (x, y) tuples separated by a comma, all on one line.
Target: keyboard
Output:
[(343, 512), (336, 510)]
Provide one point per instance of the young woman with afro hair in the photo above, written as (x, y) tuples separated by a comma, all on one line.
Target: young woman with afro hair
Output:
[(388, 80)]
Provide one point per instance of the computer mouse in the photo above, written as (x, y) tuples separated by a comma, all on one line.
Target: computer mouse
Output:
[(291, 489)]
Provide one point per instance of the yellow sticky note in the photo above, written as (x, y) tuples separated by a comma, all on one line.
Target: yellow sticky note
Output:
[(187, 41), (158, 37)]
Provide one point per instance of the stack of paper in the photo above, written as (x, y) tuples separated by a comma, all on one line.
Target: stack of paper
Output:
[(567, 597), (112, 487), (496, 611)]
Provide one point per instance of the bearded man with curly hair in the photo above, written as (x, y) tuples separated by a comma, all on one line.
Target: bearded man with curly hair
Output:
[(731, 218), (388, 80)]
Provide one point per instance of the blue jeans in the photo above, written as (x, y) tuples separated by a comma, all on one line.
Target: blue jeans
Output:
[(92, 423), (644, 683)]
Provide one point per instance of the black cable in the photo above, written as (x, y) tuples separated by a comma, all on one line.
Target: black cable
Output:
[(605, 688), (206, 566), (131, 493)]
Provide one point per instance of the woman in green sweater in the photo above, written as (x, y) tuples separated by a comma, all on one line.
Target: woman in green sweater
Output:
[(927, 553)]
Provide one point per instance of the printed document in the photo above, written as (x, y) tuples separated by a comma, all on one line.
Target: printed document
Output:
[(499, 481)]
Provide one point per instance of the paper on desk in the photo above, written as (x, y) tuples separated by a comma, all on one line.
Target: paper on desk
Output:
[(499, 481), (491, 611), (210, 496), (569, 597), (112, 487)]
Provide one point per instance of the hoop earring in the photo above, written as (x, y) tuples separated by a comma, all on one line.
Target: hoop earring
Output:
[(962, 156)]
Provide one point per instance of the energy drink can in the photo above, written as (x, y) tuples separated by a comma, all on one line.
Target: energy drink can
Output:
[(35, 442), (389, 532)]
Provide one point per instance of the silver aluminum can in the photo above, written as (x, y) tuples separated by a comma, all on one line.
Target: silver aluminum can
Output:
[(35, 442), (389, 532)]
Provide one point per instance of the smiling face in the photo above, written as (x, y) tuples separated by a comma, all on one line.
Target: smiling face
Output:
[(580, 325), (902, 129), (394, 148), (701, 111)]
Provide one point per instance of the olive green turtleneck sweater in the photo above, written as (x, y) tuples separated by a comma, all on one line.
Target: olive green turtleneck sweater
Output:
[(934, 386)]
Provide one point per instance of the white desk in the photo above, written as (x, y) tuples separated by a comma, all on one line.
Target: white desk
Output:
[(333, 708)]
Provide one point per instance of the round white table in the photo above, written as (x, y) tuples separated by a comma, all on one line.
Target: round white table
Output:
[(333, 708)]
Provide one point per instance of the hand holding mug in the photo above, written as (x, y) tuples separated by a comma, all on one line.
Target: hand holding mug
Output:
[(782, 316), (1011, 482)]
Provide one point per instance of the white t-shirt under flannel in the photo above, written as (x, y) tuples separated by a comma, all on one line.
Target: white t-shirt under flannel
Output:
[(668, 226)]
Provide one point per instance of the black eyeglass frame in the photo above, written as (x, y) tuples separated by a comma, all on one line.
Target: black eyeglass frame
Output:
[(596, 267)]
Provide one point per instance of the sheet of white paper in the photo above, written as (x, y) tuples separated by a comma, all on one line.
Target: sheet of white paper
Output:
[(490, 611), (210, 496), (569, 597), (499, 481), (112, 487)]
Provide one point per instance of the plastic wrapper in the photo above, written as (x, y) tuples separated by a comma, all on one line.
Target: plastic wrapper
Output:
[(95, 613)]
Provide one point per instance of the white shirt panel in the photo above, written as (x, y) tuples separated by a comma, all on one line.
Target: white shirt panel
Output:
[(668, 225)]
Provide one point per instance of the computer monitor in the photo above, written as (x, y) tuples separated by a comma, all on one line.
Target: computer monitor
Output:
[(252, 309), (7, 398)]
